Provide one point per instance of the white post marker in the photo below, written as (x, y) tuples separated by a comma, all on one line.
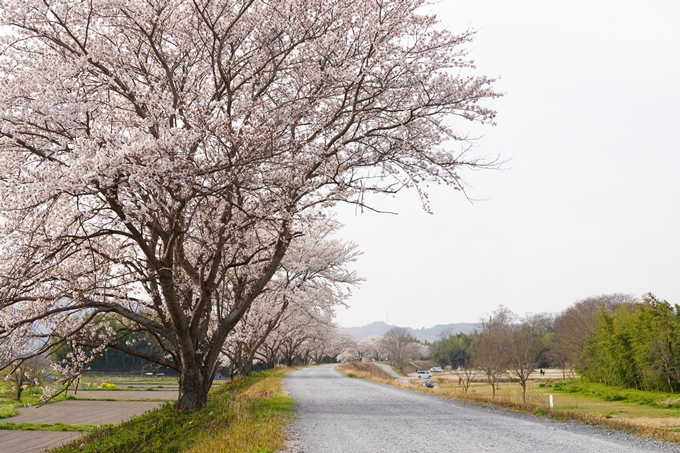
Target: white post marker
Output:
[(551, 402)]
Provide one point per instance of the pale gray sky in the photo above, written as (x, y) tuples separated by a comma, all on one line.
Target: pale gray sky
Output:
[(589, 202)]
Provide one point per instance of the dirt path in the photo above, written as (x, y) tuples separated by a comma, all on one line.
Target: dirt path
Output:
[(344, 415)]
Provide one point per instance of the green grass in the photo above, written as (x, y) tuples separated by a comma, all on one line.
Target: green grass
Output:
[(251, 411), (9, 404), (48, 427), (7, 410), (263, 411), (593, 390)]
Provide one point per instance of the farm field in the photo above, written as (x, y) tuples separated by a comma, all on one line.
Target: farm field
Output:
[(646, 409)]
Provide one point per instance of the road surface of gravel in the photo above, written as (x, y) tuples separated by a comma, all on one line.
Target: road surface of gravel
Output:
[(341, 414)]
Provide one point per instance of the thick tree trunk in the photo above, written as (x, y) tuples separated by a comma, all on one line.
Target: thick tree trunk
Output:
[(289, 358), (245, 366), (193, 389), (270, 360)]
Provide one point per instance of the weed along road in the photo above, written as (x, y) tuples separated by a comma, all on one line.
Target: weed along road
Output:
[(340, 414)]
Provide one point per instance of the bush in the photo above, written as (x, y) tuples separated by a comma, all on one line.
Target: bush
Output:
[(614, 397)]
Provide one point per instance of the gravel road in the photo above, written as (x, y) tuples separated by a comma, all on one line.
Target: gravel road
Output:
[(341, 414)]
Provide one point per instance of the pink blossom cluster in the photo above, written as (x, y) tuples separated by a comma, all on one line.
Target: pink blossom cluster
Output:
[(159, 159)]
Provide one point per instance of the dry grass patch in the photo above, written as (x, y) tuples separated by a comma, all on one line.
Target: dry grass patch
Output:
[(364, 370), (258, 420)]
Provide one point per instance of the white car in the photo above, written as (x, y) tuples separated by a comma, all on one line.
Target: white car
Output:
[(436, 369), (424, 374)]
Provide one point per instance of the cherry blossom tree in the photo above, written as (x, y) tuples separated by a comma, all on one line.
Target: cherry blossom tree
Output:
[(159, 157), (301, 335), (357, 351), (331, 343), (312, 277), (375, 350), (20, 369)]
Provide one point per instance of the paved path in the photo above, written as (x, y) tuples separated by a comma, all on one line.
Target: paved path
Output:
[(33, 441), (127, 394), (83, 412), (341, 414), (72, 412), (388, 369)]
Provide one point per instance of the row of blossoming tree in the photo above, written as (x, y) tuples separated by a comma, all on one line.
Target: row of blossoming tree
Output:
[(159, 159)]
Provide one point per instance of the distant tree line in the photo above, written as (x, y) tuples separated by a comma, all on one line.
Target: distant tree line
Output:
[(614, 339)]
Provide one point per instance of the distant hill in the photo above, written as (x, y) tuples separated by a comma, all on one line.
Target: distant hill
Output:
[(423, 334)]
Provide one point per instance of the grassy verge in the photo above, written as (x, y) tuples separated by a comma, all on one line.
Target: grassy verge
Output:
[(247, 415), (648, 414), (7, 410), (48, 427)]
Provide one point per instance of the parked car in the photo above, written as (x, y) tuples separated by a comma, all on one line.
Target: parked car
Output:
[(436, 369), (424, 374), (428, 383)]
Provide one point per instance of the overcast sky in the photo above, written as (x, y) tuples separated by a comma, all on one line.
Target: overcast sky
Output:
[(589, 200)]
